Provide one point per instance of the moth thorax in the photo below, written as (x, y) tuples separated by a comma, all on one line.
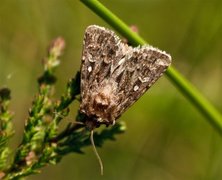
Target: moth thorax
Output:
[(104, 96), (104, 101)]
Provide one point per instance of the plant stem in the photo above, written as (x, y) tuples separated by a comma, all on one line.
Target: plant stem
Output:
[(183, 85)]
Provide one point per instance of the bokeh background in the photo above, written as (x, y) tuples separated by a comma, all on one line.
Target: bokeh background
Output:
[(166, 137)]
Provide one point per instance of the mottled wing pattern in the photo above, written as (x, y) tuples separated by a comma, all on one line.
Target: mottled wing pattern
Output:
[(142, 68), (101, 54), (114, 75)]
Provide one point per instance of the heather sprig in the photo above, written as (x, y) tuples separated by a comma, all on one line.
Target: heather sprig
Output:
[(42, 142)]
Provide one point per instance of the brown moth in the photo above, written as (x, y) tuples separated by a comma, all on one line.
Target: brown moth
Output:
[(115, 75)]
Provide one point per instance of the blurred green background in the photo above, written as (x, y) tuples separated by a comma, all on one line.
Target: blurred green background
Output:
[(166, 138)]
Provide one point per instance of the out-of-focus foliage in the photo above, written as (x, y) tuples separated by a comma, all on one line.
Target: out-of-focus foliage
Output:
[(166, 137)]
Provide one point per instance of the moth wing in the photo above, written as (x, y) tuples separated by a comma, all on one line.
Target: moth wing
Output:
[(101, 51), (141, 68)]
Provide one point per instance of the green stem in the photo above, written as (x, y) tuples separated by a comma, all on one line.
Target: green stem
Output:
[(185, 87)]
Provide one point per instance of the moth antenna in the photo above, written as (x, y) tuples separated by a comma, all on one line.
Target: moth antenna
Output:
[(95, 151)]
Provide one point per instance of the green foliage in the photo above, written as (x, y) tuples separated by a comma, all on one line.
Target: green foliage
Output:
[(6, 130), (42, 143)]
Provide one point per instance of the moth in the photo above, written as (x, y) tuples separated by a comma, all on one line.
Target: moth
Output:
[(114, 75)]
